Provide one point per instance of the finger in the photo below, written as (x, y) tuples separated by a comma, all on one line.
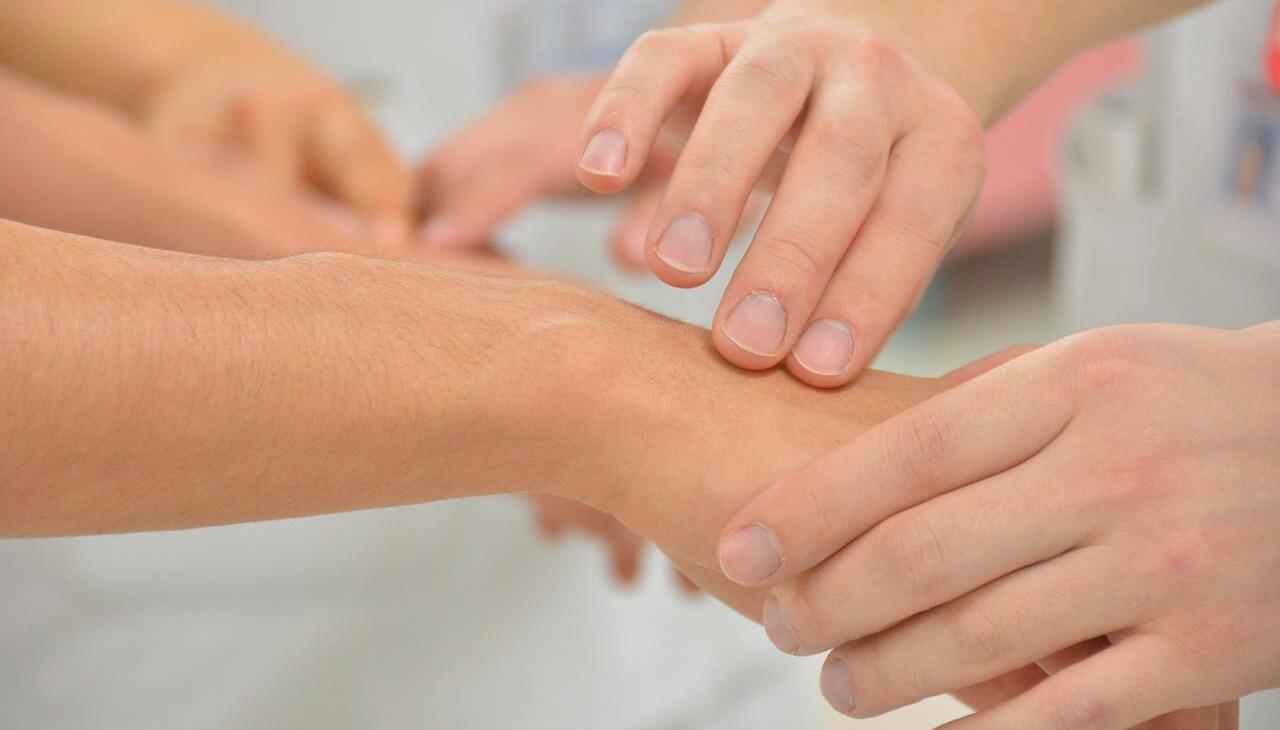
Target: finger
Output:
[(746, 601), (992, 692), (1206, 718), (1117, 689), (467, 218), (662, 69), (934, 177), (269, 132), (965, 373), (829, 186), (628, 237), (964, 435), (749, 110), (1229, 716), (996, 629), (686, 585), (200, 125), (932, 554), (626, 548), (350, 160)]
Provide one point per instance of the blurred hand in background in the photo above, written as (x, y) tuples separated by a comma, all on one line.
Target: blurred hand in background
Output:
[(214, 87)]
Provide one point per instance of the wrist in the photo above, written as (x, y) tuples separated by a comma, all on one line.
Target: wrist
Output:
[(991, 53), (676, 441)]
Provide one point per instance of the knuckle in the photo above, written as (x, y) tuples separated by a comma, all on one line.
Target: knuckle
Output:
[(1107, 359), (624, 93), (1190, 555), (922, 442), (887, 680), (1074, 709), (978, 637), (858, 160), (713, 164), (878, 59), (915, 224), (767, 73), (792, 252), (914, 551), (805, 617)]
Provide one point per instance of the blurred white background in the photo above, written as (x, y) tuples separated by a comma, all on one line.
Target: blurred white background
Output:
[(448, 615)]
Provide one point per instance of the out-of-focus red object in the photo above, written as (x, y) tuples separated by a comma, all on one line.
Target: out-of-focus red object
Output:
[(1273, 52), (1022, 181)]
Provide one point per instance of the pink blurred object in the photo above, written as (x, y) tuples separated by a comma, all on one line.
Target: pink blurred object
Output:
[(1020, 198)]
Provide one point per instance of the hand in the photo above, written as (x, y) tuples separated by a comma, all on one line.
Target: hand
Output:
[(524, 151), (74, 166), (243, 101), (1163, 542), (556, 515), (883, 165)]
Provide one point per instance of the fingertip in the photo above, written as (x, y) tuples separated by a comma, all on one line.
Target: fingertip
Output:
[(750, 556), (752, 334), (605, 154), (683, 254), (628, 249), (603, 167), (823, 357)]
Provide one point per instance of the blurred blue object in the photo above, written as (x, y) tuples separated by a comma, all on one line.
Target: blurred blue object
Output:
[(550, 36)]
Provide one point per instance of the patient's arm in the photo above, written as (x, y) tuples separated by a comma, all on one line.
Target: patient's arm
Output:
[(74, 166), (151, 390)]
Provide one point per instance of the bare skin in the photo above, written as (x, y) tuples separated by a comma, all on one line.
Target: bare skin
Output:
[(873, 110), (75, 166), (208, 84), (170, 391)]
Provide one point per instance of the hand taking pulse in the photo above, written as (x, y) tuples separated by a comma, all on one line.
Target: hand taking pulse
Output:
[(884, 164), (1120, 488)]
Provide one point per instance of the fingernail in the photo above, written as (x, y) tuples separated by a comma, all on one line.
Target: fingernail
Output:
[(750, 556), (686, 244), (389, 232), (437, 232), (825, 348), (777, 628), (606, 153), (835, 685), (757, 324)]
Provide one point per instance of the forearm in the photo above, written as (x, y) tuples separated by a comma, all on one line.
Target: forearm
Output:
[(994, 52), (73, 166), (149, 390), (118, 52)]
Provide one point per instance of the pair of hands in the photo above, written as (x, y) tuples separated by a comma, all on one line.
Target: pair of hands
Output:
[(1109, 502), (980, 565), (1017, 601)]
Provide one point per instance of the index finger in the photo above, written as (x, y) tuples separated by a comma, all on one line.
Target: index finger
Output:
[(662, 69), (975, 431), (350, 160)]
